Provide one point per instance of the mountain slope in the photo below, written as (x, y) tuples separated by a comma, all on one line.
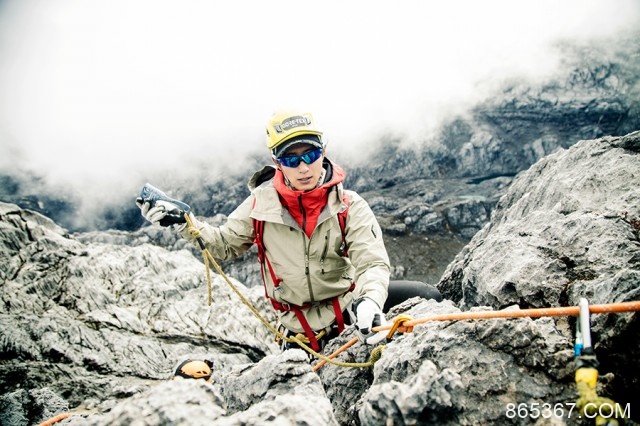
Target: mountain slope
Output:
[(96, 327)]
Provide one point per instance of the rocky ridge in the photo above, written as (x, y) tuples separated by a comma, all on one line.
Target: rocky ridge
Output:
[(96, 327)]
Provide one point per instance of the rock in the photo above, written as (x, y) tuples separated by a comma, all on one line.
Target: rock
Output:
[(104, 321), (178, 402), (279, 389), (443, 372), (97, 325), (567, 228), (16, 408), (564, 230)]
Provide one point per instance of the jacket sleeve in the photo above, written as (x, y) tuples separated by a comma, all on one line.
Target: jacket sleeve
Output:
[(367, 251), (231, 239)]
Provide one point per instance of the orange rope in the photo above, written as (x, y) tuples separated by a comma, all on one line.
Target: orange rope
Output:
[(519, 313), (55, 419), (336, 353), (402, 324)]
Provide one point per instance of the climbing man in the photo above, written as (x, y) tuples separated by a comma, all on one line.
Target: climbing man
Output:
[(323, 260)]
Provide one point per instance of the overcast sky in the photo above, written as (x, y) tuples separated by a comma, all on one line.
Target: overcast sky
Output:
[(109, 93)]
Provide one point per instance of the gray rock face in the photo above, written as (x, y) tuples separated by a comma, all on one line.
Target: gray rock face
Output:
[(103, 321), (443, 372), (100, 325), (567, 228), (277, 390)]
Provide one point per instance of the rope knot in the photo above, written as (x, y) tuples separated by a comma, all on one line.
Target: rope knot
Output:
[(194, 232)]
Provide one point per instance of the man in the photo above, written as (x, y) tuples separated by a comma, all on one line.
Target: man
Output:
[(320, 246)]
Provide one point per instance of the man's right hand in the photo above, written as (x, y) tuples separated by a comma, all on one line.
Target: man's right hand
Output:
[(162, 213)]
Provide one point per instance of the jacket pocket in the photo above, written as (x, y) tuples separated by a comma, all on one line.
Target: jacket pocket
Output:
[(325, 250)]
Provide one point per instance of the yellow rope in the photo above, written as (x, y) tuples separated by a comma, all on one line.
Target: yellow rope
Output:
[(209, 260)]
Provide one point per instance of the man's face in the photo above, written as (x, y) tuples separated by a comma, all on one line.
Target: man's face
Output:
[(303, 177)]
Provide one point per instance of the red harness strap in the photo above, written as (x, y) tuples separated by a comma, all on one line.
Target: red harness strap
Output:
[(297, 310), (258, 226)]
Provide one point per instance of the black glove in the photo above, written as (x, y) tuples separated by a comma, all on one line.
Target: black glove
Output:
[(160, 212)]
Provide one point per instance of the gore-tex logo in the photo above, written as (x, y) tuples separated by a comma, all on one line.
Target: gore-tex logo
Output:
[(291, 122)]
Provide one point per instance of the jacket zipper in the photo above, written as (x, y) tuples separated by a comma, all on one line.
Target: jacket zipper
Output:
[(325, 250), (306, 265), (306, 247), (304, 214)]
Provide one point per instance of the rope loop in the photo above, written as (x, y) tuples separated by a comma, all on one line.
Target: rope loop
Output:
[(376, 353)]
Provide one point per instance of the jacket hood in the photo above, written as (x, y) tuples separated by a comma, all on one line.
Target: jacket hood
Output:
[(261, 176)]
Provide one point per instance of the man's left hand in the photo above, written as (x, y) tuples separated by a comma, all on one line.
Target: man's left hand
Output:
[(367, 316)]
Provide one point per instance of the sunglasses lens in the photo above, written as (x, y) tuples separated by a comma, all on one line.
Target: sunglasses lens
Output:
[(290, 161), (294, 160), (312, 156)]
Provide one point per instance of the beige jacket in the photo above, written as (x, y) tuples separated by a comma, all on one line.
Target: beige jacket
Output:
[(312, 269)]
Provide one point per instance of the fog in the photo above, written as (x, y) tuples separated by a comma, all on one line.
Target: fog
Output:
[(98, 97)]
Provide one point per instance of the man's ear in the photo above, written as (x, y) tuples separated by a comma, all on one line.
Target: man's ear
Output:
[(275, 162)]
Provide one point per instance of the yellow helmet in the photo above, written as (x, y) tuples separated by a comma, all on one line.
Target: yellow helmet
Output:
[(286, 125), (194, 369)]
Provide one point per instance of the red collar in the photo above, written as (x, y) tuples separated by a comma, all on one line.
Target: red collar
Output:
[(305, 206)]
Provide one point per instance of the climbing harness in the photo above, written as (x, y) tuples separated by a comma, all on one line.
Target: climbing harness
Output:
[(265, 263), (301, 336)]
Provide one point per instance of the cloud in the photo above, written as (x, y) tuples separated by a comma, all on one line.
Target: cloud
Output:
[(107, 94)]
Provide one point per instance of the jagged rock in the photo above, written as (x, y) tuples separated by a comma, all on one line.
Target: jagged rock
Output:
[(566, 228), (279, 389), (102, 324), (245, 269), (17, 408), (443, 372), (178, 402), (104, 321), (468, 215)]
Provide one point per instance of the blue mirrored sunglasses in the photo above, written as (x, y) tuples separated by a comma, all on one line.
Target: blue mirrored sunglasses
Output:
[(307, 157)]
